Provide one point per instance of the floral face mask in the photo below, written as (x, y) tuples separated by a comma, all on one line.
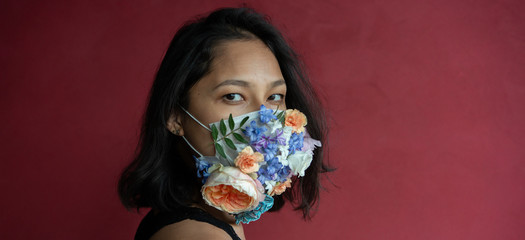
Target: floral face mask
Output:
[(256, 155)]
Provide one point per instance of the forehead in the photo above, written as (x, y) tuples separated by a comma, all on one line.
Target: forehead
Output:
[(245, 59)]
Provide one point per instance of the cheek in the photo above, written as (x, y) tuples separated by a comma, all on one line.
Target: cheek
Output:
[(282, 106), (210, 113), (199, 137)]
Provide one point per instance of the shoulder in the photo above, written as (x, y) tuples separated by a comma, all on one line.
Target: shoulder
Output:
[(190, 229)]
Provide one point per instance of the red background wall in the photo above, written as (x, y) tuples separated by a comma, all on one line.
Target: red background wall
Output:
[(426, 101)]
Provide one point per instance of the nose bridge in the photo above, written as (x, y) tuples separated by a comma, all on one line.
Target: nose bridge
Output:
[(256, 104), (259, 99)]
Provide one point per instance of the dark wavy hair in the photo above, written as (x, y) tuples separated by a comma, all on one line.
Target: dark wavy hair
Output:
[(159, 177)]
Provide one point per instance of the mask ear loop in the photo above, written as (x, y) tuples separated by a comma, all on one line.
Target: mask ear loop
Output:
[(195, 119), (192, 148)]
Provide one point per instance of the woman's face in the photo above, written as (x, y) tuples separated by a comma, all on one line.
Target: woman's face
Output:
[(243, 76)]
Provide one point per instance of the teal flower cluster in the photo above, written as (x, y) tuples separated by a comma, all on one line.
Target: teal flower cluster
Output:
[(250, 216)]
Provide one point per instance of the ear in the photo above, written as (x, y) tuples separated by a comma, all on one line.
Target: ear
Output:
[(174, 124)]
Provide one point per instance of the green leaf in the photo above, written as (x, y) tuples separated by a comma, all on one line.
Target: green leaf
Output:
[(220, 150), (244, 121), (282, 119), (280, 115), (231, 122), (223, 127), (240, 138), (230, 144), (214, 132)]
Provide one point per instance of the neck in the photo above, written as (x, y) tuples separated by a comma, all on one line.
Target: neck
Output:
[(223, 216)]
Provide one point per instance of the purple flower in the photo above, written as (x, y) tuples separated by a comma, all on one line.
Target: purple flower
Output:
[(279, 138), (265, 115), (309, 144), (262, 143)]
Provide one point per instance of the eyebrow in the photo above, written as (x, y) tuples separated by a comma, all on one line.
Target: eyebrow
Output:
[(242, 83), (278, 83), (232, 82)]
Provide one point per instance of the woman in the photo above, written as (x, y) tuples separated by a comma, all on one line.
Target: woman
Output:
[(231, 62)]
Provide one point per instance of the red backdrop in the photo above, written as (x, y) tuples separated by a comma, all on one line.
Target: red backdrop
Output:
[(426, 102)]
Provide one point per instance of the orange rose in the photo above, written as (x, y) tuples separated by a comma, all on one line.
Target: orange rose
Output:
[(281, 187), (232, 191), (248, 161), (228, 198), (295, 119)]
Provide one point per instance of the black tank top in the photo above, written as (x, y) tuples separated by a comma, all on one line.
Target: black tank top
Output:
[(153, 222)]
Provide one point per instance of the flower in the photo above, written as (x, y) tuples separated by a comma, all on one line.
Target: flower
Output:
[(273, 171), (230, 190), (269, 185), (262, 143), (279, 138), (299, 162), (284, 173), (296, 142), (265, 115), (274, 126), (295, 119), (260, 155), (247, 217), (248, 161), (263, 175), (270, 151), (253, 131), (277, 190), (309, 144), (202, 169)]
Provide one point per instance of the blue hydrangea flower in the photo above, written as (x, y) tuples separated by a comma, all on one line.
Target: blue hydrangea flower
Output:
[(283, 173), (295, 142), (270, 151), (250, 216), (254, 132), (263, 175), (265, 115), (272, 169), (202, 169)]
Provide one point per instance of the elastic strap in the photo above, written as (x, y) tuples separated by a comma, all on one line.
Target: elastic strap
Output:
[(195, 119), (189, 144)]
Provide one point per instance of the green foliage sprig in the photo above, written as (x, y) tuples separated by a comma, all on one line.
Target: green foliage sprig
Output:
[(225, 134)]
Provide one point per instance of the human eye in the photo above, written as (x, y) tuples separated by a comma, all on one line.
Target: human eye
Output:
[(276, 98), (233, 97)]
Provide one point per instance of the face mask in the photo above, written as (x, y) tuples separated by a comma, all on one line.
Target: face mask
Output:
[(256, 154)]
